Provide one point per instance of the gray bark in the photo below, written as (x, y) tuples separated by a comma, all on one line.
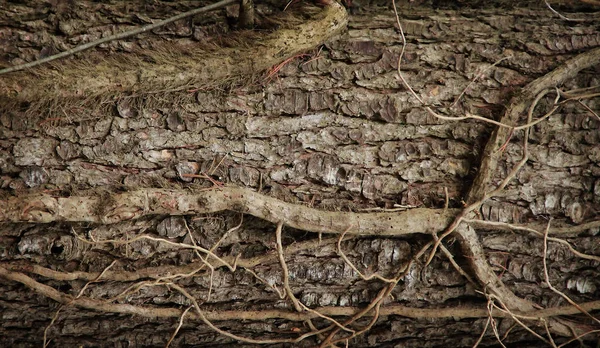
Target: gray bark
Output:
[(323, 145)]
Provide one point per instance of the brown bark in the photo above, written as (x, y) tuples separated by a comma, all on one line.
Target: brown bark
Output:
[(161, 203)]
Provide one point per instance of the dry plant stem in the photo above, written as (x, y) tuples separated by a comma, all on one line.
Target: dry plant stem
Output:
[(493, 322), (284, 269), (547, 279), (450, 118), (550, 339), (456, 265), (368, 327), (211, 250), (222, 332), (95, 280), (504, 309), (161, 312), (375, 303), (119, 36), (588, 109), (473, 249), (76, 297), (281, 294), (236, 337), (566, 230), (314, 328), (45, 208), (493, 286), (351, 264), (577, 97), (509, 330), (178, 326), (478, 192), (580, 93), (161, 272), (204, 261), (487, 323), (563, 17), (518, 105), (470, 241), (46, 342), (299, 306), (475, 205), (477, 77), (165, 241), (172, 67), (474, 252), (135, 288), (578, 338), (583, 92), (512, 227)]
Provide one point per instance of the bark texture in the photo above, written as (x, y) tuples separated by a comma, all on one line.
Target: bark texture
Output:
[(313, 202)]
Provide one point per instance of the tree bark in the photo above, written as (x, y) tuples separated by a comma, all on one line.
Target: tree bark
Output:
[(291, 185)]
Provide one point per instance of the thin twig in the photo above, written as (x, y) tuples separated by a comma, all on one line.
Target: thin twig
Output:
[(490, 306), (299, 306), (165, 241), (561, 15), (487, 323), (286, 275), (118, 36), (349, 263), (376, 302), (459, 219), (514, 227), (233, 336), (478, 76), (514, 317), (46, 343), (578, 337), (178, 326), (547, 278), (550, 339)]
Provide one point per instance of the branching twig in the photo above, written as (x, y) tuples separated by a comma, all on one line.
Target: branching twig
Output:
[(161, 312), (45, 344), (478, 76), (490, 306), (165, 241), (497, 224), (351, 264), (501, 186), (196, 306), (514, 317), (299, 306), (376, 302), (578, 337), (163, 272), (284, 269), (547, 278)]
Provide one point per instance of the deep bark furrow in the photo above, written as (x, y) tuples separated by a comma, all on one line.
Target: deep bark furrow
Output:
[(327, 141)]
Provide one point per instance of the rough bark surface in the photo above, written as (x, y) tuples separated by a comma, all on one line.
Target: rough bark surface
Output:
[(115, 220)]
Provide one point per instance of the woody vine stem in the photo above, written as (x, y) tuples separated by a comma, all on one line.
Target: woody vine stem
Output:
[(343, 323)]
